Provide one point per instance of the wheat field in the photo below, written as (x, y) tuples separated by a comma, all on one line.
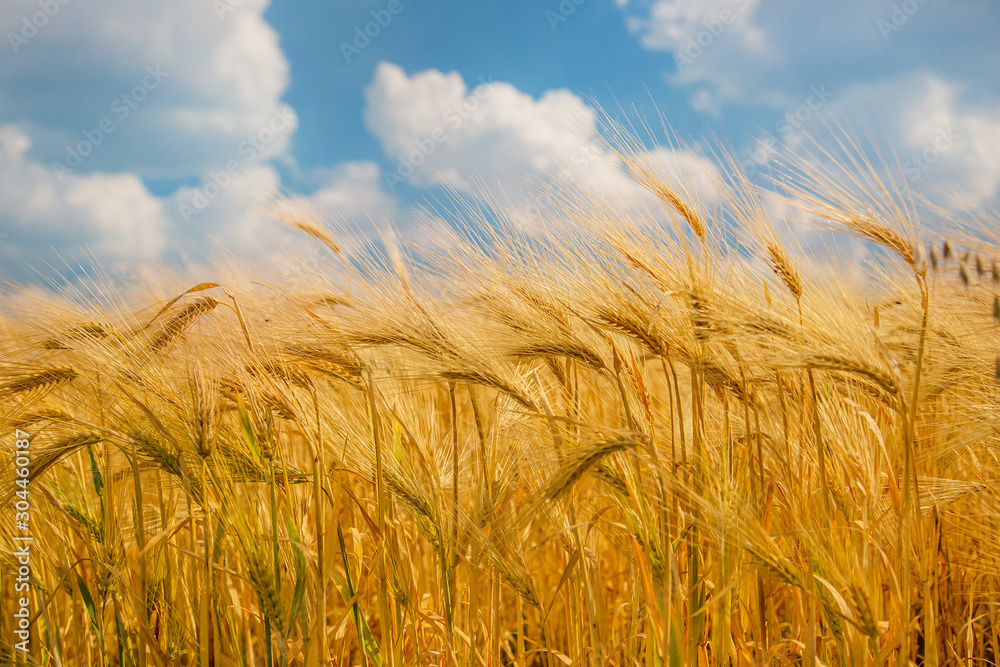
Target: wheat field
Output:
[(602, 440)]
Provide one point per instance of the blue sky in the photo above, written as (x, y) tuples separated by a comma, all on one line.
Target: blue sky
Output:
[(132, 131)]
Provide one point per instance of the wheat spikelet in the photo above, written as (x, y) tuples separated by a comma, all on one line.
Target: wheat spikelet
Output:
[(559, 349), (43, 379), (611, 477), (517, 578), (82, 332), (284, 372), (205, 392), (488, 379), (313, 229), (842, 364), (262, 580), (831, 611), (862, 611), (342, 364), (665, 193), (154, 449), (630, 324), (883, 234), (179, 322), (570, 473), (50, 455), (84, 519), (410, 496), (782, 265), (418, 505), (23, 419), (768, 553)]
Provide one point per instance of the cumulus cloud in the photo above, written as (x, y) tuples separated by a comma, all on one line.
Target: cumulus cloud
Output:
[(41, 214), (939, 143), (752, 52), (436, 131), (221, 76), (353, 192), (700, 33), (158, 90), (520, 150), (243, 218), (890, 69)]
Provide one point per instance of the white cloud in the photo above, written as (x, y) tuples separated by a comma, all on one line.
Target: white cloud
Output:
[(113, 214), (157, 90), (515, 149), (752, 52), (239, 217), (899, 71), (945, 148), (436, 131), (353, 192), (221, 79), (714, 42), (683, 26)]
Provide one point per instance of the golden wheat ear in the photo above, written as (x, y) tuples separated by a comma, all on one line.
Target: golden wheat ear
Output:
[(782, 265), (48, 378), (314, 229), (177, 323)]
